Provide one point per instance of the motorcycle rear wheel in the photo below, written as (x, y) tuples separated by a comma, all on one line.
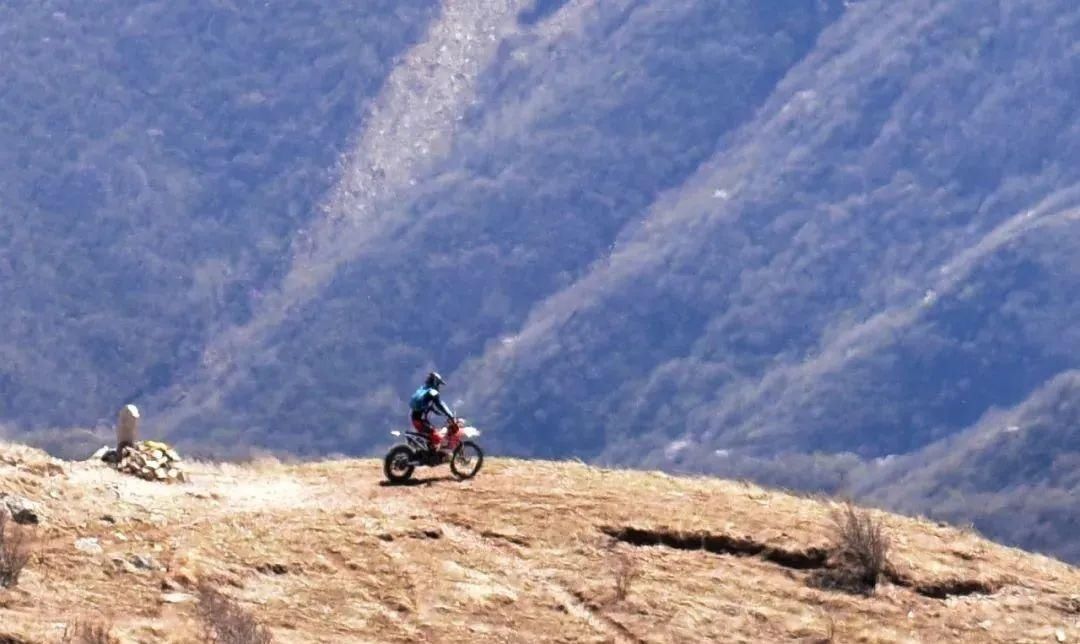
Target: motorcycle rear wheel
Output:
[(466, 460), (398, 464)]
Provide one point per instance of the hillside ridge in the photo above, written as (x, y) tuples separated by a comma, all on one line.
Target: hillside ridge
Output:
[(527, 551)]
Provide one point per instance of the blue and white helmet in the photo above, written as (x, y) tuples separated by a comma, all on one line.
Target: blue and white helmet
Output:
[(434, 380)]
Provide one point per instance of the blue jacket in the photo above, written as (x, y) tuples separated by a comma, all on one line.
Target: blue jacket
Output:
[(426, 400)]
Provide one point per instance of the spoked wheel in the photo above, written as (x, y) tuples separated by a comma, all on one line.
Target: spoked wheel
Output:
[(398, 464), (466, 460)]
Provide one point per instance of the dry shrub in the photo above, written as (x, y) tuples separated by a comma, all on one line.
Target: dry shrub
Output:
[(89, 632), (226, 622), (625, 574), (625, 571), (860, 551), (830, 632), (14, 550)]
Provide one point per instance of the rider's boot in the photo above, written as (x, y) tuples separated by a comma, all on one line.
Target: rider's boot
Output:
[(435, 453)]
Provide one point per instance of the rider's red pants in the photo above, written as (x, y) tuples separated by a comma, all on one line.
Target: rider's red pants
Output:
[(425, 428)]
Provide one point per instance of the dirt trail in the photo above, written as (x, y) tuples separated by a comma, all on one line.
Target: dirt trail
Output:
[(538, 578)]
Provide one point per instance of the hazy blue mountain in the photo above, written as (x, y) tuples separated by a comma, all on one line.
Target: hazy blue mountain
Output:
[(566, 146), (807, 290), (1015, 474), (156, 159), (816, 243)]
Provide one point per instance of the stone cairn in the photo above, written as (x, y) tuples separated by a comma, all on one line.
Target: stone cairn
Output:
[(152, 461), (149, 460)]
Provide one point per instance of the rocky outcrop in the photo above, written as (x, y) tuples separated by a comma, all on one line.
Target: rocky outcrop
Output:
[(22, 510)]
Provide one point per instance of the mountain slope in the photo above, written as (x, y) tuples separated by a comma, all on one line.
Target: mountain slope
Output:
[(713, 236), (322, 553), (155, 161), (566, 145), (733, 318), (1017, 463)]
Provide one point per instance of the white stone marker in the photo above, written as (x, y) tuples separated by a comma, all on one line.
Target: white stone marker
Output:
[(127, 427)]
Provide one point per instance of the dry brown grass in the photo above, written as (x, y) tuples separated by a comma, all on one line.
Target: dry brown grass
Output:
[(226, 622), (14, 550), (828, 637), (89, 632), (518, 554)]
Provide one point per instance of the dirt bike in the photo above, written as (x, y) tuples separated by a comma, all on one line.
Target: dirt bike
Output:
[(463, 454)]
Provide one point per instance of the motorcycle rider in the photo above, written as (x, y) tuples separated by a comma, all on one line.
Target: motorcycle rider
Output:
[(425, 400)]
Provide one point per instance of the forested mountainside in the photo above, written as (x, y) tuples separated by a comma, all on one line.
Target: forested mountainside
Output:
[(1015, 474), (566, 148), (835, 278), (787, 243), (156, 161)]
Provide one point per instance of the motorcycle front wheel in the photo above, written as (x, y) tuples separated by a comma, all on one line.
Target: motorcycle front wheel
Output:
[(398, 464), (466, 460)]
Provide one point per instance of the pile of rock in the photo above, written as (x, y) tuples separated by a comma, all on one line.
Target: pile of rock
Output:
[(150, 460)]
